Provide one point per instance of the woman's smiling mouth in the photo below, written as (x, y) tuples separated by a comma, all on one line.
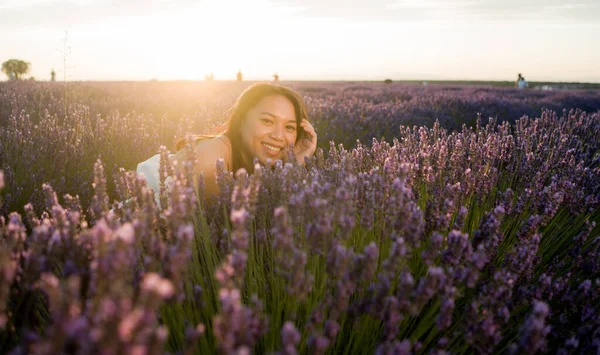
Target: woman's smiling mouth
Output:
[(272, 147)]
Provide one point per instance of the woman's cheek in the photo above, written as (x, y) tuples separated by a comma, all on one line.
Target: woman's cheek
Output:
[(259, 131), (293, 138)]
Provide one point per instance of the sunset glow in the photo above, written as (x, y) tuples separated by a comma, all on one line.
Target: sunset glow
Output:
[(309, 40)]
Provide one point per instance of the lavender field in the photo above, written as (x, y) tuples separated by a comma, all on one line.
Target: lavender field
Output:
[(431, 220)]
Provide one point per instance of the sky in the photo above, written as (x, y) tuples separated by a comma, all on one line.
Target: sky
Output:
[(551, 40)]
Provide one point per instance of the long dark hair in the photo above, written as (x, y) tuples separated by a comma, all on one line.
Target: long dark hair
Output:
[(244, 103)]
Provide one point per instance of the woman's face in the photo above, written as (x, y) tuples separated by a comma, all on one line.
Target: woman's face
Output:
[(268, 129)]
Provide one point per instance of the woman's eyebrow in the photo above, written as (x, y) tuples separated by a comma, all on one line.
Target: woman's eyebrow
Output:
[(274, 116)]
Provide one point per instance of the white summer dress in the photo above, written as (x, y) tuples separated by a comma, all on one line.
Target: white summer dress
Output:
[(150, 170)]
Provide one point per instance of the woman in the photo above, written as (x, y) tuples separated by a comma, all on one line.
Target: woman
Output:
[(265, 121)]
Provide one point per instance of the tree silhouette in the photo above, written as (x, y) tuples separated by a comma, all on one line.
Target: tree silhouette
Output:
[(15, 66)]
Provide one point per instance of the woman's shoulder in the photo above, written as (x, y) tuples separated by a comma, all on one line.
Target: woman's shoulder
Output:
[(218, 143), (215, 148)]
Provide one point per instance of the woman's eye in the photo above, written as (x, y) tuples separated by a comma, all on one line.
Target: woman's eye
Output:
[(290, 128), (266, 120)]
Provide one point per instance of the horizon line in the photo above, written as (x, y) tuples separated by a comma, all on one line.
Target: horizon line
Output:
[(316, 80)]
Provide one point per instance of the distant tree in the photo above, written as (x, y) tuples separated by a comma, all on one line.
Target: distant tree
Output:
[(388, 81), (52, 75), (16, 67)]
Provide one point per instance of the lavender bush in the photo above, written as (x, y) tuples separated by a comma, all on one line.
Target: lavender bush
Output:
[(437, 240), (59, 134)]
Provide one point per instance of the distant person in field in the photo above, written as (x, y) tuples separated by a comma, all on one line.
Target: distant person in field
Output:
[(521, 83), (52, 75), (266, 120), (239, 75)]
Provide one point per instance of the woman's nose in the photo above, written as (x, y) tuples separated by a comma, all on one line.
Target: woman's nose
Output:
[(277, 133)]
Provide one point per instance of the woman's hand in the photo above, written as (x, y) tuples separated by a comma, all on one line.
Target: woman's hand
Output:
[(306, 145)]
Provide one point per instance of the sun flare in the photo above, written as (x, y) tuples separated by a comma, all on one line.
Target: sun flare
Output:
[(211, 38)]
